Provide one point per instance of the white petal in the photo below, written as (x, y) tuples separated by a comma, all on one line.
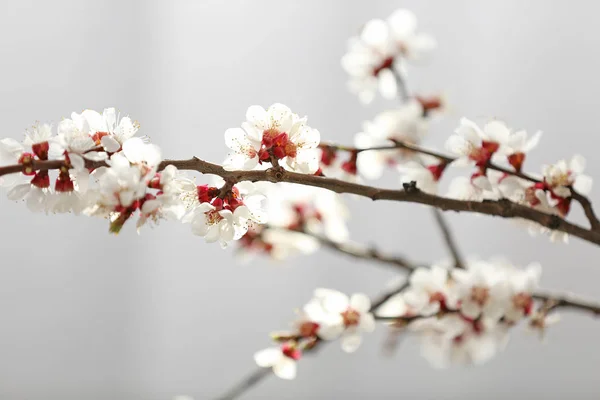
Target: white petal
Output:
[(351, 341), (402, 23), (213, 233), (77, 161), (19, 191), (577, 164), (285, 368), (497, 131), (360, 302), (388, 86), (199, 226), (330, 330), (96, 155), (532, 142), (257, 116), (268, 357), (375, 32), (110, 144), (367, 322), (583, 184)]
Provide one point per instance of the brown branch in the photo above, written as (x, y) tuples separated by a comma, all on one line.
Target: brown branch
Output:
[(502, 208), (586, 204), (567, 300), (246, 383), (581, 199), (368, 253)]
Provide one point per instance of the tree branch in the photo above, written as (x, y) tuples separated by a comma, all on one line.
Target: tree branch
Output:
[(501, 208), (581, 199), (567, 300), (448, 239), (368, 253)]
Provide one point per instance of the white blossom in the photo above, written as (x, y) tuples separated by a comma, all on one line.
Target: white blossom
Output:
[(482, 289), (522, 284), (473, 144), (406, 125), (224, 217), (429, 291), (352, 314), (281, 359), (273, 133), (315, 210), (106, 129), (453, 340), (562, 175), (374, 58)]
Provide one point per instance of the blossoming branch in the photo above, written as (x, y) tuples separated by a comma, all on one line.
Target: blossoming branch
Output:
[(277, 194)]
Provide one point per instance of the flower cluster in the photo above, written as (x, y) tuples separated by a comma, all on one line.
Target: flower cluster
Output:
[(224, 212), (329, 315), (271, 135), (495, 144), (464, 315), (375, 58), (298, 216), (102, 170)]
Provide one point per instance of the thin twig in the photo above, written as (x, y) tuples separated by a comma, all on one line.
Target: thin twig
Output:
[(246, 383), (567, 300), (369, 253), (448, 238)]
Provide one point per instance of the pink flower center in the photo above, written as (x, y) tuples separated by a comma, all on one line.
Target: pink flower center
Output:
[(213, 217), (351, 317), (308, 329), (480, 295), (523, 301)]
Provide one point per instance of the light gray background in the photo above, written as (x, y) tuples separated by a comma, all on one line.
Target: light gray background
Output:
[(84, 315)]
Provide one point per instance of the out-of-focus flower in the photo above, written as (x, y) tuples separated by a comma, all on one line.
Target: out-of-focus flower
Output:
[(353, 314), (281, 359), (375, 57)]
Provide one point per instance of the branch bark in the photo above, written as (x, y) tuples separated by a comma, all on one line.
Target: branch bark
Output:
[(501, 208)]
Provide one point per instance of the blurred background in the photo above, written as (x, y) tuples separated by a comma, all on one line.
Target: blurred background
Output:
[(85, 315)]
